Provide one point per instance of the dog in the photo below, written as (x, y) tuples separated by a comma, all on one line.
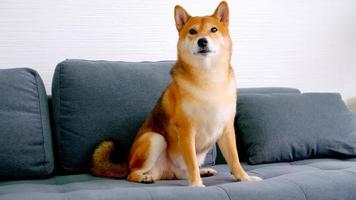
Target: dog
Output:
[(194, 112)]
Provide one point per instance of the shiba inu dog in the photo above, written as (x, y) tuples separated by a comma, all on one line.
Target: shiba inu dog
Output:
[(195, 111)]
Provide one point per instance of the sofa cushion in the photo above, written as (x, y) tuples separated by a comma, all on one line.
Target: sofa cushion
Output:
[(242, 91), (99, 100), (287, 127), (312, 179), (25, 144)]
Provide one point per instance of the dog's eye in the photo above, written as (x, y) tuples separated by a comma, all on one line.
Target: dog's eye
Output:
[(192, 32), (214, 29)]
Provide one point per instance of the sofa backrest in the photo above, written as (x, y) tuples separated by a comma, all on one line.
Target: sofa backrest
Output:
[(101, 100), (92, 101), (25, 134)]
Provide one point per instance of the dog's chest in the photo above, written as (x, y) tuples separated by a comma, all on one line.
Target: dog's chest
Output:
[(208, 118)]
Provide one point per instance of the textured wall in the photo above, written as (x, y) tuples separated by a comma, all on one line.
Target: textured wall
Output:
[(308, 44)]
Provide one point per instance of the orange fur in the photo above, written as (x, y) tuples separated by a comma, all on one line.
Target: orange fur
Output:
[(195, 111), (103, 167)]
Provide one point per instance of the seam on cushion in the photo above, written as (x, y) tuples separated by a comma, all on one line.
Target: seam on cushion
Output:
[(348, 170), (58, 125), (256, 173), (43, 138), (300, 187), (263, 167), (320, 168), (309, 165), (227, 194), (149, 193)]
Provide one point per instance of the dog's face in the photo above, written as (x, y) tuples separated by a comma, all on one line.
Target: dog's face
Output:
[(203, 41)]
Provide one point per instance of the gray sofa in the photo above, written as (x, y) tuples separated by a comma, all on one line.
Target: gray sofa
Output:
[(47, 155)]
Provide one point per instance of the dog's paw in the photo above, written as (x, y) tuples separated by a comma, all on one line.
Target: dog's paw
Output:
[(147, 179), (140, 178), (197, 185), (206, 172), (251, 178)]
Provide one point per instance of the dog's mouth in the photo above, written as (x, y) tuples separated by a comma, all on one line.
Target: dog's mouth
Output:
[(203, 51)]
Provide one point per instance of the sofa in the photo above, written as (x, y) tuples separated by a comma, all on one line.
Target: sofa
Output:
[(46, 142)]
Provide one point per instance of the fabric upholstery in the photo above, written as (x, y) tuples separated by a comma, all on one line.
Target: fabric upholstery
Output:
[(314, 179), (243, 91), (96, 100), (288, 127), (25, 134)]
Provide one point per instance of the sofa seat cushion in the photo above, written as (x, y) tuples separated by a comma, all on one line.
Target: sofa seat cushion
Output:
[(308, 179)]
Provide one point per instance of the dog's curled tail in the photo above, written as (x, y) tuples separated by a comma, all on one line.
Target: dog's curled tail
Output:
[(108, 161)]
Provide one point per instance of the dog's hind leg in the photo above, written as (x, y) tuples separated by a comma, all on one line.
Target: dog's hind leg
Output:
[(145, 152)]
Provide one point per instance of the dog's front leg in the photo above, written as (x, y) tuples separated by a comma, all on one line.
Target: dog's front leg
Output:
[(227, 145), (187, 148)]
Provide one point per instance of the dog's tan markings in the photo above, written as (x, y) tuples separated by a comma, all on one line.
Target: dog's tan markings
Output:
[(222, 13), (102, 165), (187, 147), (181, 17), (227, 146), (147, 150), (159, 119), (194, 112)]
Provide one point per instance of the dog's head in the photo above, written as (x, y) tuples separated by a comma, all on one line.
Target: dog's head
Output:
[(203, 40)]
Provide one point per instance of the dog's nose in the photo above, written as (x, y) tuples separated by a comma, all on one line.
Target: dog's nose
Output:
[(202, 42)]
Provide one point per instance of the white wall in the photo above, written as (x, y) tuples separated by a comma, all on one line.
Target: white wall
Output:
[(307, 44)]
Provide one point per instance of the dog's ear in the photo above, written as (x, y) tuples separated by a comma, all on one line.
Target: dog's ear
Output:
[(181, 16), (222, 13)]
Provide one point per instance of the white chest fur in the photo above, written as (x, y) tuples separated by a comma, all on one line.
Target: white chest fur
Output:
[(210, 112), (209, 120)]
